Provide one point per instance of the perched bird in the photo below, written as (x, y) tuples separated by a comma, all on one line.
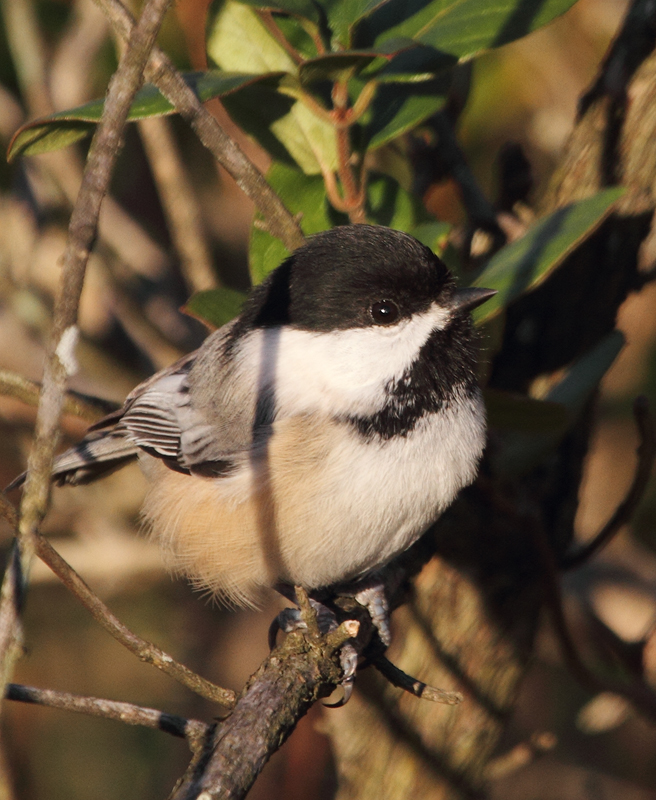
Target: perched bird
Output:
[(317, 435)]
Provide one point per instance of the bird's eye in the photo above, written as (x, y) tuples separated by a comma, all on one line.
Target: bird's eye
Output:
[(384, 312)]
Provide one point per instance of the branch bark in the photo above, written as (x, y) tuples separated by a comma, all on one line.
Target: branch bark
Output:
[(145, 651), (296, 674), (192, 730), (61, 360), (477, 603), (227, 152)]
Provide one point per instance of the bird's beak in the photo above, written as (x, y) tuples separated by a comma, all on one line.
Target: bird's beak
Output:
[(468, 299)]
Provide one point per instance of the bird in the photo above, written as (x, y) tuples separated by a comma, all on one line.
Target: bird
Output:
[(317, 435)]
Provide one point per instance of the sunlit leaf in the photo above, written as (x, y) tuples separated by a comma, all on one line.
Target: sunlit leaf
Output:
[(462, 28), (284, 126), (66, 127), (336, 66), (302, 194), (301, 8), (524, 264), (215, 307)]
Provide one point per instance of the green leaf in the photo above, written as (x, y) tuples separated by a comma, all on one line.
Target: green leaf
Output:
[(299, 8), (297, 35), (390, 205), (521, 266), (462, 28), (397, 108), (387, 204), (66, 127), (336, 66), (302, 194), (238, 40), (413, 64), (215, 307), (343, 15), (433, 234), (518, 452), (36, 138)]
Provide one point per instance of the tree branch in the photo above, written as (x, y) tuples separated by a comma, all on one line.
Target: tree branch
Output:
[(144, 650), (61, 363), (397, 677), (296, 674), (227, 152), (86, 407), (192, 730)]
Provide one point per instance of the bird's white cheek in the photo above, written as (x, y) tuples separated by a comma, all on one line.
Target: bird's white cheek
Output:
[(341, 372)]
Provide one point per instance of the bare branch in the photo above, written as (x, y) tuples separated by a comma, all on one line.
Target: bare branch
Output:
[(227, 152), (145, 651), (79, 405), (82, 230), (192, 730), (296, 674), (179, 203), (397, 677), (646, 455)]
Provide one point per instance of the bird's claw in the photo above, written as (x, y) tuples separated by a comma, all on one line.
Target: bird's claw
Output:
[(291, 619), (374, 599), (348, 658)]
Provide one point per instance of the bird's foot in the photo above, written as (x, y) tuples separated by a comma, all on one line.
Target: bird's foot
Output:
[(370, 593), (292, 619)]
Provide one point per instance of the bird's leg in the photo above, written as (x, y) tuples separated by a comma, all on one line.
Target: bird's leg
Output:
[(370, 593)]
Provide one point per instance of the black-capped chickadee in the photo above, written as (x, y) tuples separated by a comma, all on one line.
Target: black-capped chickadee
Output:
[(316, 436)]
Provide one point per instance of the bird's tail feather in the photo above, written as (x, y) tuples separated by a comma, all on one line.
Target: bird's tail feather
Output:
[(97, 454)]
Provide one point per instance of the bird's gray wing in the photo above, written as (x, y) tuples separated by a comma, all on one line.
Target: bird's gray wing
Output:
[(169, 417), (201, 418)]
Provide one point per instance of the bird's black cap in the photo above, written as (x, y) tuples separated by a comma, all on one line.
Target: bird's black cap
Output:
[(331, 282)]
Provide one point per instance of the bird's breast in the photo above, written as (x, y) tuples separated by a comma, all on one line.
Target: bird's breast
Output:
[(316, 504)]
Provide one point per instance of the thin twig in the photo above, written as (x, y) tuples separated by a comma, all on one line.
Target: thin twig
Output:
[(646, 454), (250, 180), (308, 614), (179, 203), (294, 676), (116, 228), (28, 54), (79, 405), (397, 677), (61, 362), (192, 730), (144, 650)]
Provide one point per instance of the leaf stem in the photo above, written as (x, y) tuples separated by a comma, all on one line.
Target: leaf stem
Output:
[(266, 17)]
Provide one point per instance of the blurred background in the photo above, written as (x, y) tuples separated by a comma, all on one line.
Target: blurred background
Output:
[(56, 54)]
